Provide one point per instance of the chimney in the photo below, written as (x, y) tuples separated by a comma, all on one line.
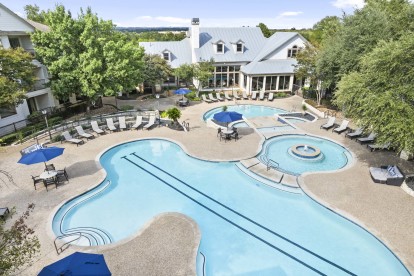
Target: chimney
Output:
[(195, 33)]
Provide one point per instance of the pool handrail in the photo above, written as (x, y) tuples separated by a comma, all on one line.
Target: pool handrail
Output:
[(61, 249)]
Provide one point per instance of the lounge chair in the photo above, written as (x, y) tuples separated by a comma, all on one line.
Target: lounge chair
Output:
[(342, 127), (150, 123), (355, 134), (4, 211), (390, 175), (245, 97), (369, 139), (236, 96), (68, 138), (261, 95), (329, 124), (96, 128), (270, 97), (110, 124), (254, 95), (122, 124), (373, 147), (83, 134), (138, 122), (203, 96), (211, 97), (226, 95), (218, 96)]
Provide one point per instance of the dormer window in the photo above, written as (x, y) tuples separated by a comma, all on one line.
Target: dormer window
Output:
[(220, 48), (292, 52), (239, 47), (166, 55)]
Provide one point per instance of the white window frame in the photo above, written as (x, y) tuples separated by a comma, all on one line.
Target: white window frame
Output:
[(169, 55), (292, 52), (222, 48), (242, 47)]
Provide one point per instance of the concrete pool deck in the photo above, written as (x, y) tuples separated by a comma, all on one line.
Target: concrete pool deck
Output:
[(386, 211)]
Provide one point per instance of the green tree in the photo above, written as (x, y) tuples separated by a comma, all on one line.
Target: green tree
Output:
[(324, 29), (33, 13), (174, 114), (265, 30), (381, 95), (203, 71), (185, 72), (156, 70), (16, 76), (18, 244)]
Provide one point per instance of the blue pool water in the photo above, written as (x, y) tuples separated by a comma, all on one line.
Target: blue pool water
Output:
[(248, 111), (334, 156), (246, 229)]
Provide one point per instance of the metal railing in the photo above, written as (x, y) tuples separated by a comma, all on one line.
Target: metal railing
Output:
[(67, 243), (270, 163)]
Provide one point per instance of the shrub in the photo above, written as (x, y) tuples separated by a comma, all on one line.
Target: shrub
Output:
[(57, 138), (311, 102), (9, 138), (35, 117), (174, 114), (281, 95), (192, 96), (164, 114)]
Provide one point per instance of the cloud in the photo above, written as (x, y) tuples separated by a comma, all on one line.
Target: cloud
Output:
[(173, 20), (342, 4), (291, 13)]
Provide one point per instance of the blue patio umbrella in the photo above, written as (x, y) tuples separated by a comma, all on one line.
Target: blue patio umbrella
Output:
[(78, 263), (182, 91), (41, 155), (227, 116)]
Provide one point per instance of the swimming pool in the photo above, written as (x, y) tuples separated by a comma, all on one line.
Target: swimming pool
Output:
[(333, 156), (248, 111), (245, 228)]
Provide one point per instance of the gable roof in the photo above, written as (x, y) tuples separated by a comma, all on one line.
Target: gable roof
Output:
[(38, 26), (270, 66), (180, 51), (274, 42), (18, 18), (252, 37)]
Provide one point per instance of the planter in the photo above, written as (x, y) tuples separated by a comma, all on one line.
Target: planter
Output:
[(406, 155), (313, 110)]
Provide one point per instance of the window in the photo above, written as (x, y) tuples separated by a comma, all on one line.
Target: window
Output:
[(220, 48), (6, 111), (270, 83), (293, 51), (166, 55), (14, 42), (257, 83), (284, 82), (239, 47)]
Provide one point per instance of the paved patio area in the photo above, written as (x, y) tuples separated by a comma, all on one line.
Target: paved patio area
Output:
[(386, 211)]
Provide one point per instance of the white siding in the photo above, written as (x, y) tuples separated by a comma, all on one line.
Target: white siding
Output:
[(9, 22), (282, 52)]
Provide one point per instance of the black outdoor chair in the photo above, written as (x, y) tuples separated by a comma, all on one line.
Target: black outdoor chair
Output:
[(61, 175), (235, 135), (219, 132), (50, 167), (36, 180), (50, 181)]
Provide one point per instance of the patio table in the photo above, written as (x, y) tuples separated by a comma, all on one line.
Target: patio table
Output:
[(48, 174)]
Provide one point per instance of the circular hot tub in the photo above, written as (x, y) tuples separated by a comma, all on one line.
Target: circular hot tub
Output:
[(305, 151)]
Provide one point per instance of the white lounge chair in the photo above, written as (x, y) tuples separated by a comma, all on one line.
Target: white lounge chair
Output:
[(270, 97), (369, 139), (355, 134), (110, 124), (261, 95), (218, 96), (96, 128), (122, 124), (329, 124), (138, 122), (203, 96), (82, 133), (236, 96), (151, 122), (254, 95), (68, 138), (226, 95), (342, 127), (211, 97), (245, 97)]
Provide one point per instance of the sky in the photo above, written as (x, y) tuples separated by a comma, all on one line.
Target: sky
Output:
[(278, 14)]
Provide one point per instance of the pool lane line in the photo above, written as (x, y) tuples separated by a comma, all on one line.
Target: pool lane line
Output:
[(248, 219)]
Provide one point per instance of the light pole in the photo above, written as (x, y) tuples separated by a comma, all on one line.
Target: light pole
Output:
[(44, 111)]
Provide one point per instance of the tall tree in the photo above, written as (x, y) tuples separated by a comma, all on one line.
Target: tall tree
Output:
[(33, 13), (203, 71), (156, 70), (185, 72), (265, 30), (16, 76)]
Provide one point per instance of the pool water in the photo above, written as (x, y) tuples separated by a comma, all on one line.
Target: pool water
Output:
[(246, 229), (248, 111), (333, 156)]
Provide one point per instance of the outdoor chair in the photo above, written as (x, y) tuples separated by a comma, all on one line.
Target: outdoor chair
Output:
[(138, 122), (36, 180), (96, 128), (369, 139), (203, 96), (83, 134), (235, 135), (261, 95), (342, 127), (373, 147), (50, 167), (151, 122), (355, 134), (122, 124), (50, 181), (218, 96), (245, 97), (226, 95), (110, 124), (254, 95), (329, 124), (270, 97), (68, 138), (219, 132), (236, 96), (4, 211), (211, 97), (390, 175), (62, 174)]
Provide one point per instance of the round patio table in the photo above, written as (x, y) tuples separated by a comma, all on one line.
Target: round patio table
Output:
[(47, 174)]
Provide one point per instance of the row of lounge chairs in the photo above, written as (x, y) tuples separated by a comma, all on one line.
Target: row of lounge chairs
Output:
[(211, 98), (110, 126)]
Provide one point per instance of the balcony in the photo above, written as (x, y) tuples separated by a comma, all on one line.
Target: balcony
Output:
[(38, 85)]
